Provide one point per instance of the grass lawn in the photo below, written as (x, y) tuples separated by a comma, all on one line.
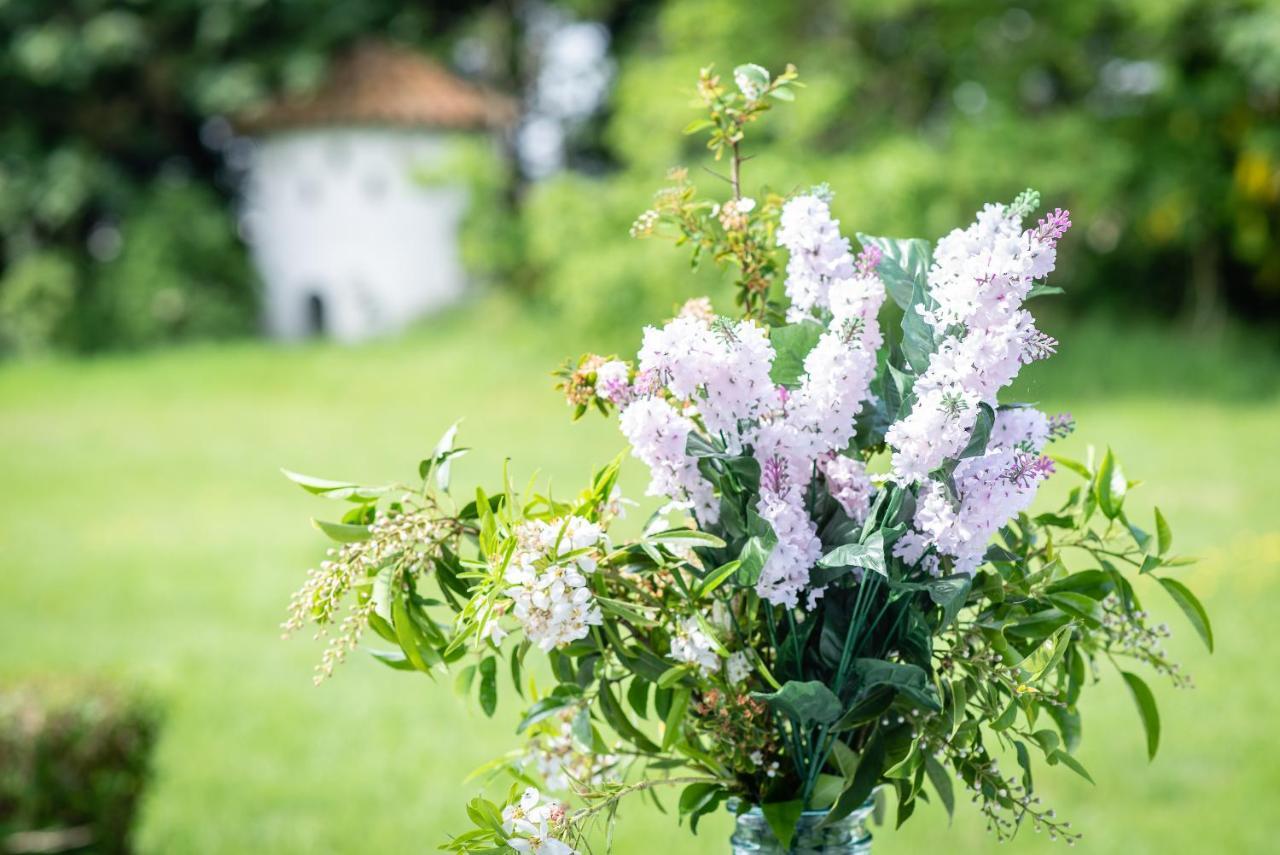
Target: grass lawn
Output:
[(147, 533)]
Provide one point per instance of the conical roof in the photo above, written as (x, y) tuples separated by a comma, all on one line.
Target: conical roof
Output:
[(378, 83)]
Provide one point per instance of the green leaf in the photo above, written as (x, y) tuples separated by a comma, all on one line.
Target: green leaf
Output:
[(674, 723), (981, 433), (917, 335), (1083, 607), (335, 489), (782, 818), (1008, 717), (697, 125), (1147, 711), (751, 561), (904, 262), (1094, 584), (1075, 466), (792, 344), (909, 680), (406, 632), (716, 577), (869, 555), (1073, 764), (697, 800), (1042, 290), (489, 685), (1047, 655), (1109, 486), (686, 535), (342, 532), (941, 780), (393, 659), (755, 75), (1164, 535), (1190, 606), (804, 702), (950, 592), (865, 778)]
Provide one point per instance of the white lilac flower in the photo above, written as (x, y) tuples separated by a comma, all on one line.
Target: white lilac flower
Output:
[(819, 254), (849, 484), (721, 367), (658, 435), (690, 644), (612, 381), (737, 668), (979, 279), (1020, 427), (547, 579)]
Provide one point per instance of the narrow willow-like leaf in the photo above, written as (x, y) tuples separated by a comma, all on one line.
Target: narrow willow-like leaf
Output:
[(1147, 710), (1191, 607)]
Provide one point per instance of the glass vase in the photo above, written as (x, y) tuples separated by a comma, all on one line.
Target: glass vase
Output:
[(849, 836)]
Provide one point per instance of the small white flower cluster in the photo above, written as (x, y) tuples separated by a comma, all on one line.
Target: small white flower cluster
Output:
[(528, 822), (771, 770), (691, 644), (991, 489), (980, 277), (738, 667), (561, 762), (547, 576)]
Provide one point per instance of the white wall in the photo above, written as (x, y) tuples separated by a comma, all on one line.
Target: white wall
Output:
[(335, 215)]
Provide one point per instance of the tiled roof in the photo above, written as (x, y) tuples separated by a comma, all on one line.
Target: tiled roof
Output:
[(378, 83)]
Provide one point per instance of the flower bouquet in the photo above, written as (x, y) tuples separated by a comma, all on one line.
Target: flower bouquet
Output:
[(845, 599)]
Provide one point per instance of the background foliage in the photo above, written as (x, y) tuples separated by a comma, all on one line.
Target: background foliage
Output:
[(1155, 122), (74, 760)]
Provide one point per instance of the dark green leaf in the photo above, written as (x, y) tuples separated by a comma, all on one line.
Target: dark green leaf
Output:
[(792, 344), (1190, 606), (803, 703), (910, 681), (950, 593), (1146, 703), (1073, 764), (941, 780), (869, 555), (904, 263), (782, 818), (865, 778), (489, 685), (1164, 535)]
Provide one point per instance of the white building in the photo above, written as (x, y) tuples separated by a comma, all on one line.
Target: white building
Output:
[(348, 240)]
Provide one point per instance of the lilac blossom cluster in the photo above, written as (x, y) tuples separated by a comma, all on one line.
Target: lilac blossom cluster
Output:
[(990, 490), (980, 277), (713, 376)]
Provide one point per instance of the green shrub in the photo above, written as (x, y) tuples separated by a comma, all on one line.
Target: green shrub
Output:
[(74, 760), (180, 274), (37, 295)]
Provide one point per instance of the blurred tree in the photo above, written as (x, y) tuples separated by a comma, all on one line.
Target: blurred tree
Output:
[(1154, 121), (106, 103)]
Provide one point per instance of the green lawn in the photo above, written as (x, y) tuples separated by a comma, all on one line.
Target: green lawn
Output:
[(147, 533)]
